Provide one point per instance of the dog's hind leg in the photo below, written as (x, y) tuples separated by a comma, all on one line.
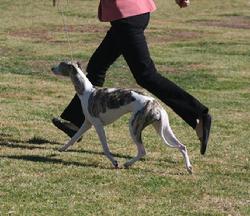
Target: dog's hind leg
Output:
[(135, 127), (166, 133), (101, 133), (86, 125)]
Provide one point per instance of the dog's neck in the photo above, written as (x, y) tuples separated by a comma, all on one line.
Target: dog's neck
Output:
[(81, 82)]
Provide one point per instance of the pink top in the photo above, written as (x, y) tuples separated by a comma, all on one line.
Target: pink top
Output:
[(110, 10)]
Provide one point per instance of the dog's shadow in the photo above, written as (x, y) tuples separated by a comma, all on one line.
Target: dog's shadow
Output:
[(40, 143), (49, 159)]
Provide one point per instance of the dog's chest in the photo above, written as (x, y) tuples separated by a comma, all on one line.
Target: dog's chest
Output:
[(109, 101)]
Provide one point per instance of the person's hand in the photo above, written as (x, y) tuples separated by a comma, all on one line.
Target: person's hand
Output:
[(182, 3)]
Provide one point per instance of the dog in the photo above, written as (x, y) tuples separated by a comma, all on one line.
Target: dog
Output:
[(102, 106)]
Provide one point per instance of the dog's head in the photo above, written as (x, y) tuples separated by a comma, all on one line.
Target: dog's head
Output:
[(66, 68), (77, 76)]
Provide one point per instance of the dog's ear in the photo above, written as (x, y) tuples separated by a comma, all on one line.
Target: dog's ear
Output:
[(79, 65)]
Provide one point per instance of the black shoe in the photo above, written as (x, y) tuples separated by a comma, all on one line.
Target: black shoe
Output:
[(206, 126), (63, 126)]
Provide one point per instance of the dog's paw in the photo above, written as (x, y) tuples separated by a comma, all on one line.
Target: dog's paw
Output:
[(190, 169), (115, 164)]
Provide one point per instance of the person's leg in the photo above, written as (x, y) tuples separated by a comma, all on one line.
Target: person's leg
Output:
[(103, 57), (97, 67), (130, 35), (73, 112)]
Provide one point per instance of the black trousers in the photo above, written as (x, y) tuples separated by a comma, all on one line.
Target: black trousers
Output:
[(126, 38)]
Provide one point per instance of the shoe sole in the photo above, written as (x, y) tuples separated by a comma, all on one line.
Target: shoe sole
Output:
[(63, 128), (207, 122)]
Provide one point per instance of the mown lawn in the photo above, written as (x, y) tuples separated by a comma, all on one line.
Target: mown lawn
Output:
[(204, 48)]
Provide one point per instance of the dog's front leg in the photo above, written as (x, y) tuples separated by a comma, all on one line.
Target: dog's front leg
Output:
[(86, 125), (101, 133)]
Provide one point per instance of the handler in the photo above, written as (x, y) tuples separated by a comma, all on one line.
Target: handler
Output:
[(129, 19)]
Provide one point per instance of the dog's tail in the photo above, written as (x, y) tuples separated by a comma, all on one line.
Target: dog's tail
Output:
[(163, 128)]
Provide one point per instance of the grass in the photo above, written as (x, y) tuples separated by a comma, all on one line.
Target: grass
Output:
[(204, 49)]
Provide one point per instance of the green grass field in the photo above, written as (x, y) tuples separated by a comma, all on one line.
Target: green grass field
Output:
[(204, 48)]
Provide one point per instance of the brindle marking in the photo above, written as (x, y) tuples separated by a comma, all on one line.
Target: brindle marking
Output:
[(144, 117), (103, 99)]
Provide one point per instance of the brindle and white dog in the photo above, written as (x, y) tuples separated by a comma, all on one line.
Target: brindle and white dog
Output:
[(103, 106)]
